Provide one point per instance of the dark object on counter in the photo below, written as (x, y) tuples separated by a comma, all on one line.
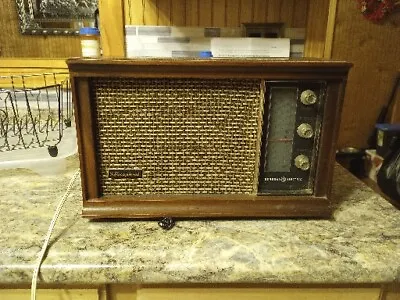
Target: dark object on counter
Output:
[(387, 134), (388, 177), (353, 159), (383, 113)]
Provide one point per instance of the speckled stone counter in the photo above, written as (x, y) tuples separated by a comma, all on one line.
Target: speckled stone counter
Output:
[(360, 244)]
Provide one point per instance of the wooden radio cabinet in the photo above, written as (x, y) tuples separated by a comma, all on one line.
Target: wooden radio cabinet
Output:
[(190, 138)]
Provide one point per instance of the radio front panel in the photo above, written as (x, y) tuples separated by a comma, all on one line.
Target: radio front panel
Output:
[(206, 138)]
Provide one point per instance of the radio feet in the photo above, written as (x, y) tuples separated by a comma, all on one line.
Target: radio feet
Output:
[(166, 223)]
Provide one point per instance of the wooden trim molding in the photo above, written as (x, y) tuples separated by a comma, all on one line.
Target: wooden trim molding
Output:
[(31, 63), (111, 13), (330, 29), (316, 28)]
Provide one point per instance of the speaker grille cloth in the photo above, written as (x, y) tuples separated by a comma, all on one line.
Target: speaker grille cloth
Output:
[(187, 136)]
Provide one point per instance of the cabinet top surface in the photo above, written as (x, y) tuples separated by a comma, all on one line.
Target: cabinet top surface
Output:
[(272, 62), (214, 67)]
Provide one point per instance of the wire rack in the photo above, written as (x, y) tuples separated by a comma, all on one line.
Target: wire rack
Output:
[(35, 109)]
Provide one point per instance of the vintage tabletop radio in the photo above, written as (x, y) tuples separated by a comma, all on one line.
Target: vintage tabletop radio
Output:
[(190, 138)]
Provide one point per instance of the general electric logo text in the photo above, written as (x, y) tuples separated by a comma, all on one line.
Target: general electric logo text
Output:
[(283, 179)]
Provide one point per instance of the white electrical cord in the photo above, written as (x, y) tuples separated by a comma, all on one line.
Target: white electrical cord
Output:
[(48, 235)]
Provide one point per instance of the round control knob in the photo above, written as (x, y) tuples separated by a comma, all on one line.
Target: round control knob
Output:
[(308, 97), (305, 131), (302, 162)]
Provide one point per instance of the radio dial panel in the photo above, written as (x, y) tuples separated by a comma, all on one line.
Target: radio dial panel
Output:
[(292, 122)]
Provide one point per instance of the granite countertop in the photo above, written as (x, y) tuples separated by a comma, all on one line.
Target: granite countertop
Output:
[(360, 244)]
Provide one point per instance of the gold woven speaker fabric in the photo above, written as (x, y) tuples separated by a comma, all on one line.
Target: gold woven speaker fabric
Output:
[(177, 136)]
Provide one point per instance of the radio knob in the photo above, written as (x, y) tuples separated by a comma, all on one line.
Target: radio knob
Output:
[(305, 131), (308, 97), (302, 162)]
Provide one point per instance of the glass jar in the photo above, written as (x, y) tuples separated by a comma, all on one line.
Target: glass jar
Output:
[(90, 41)]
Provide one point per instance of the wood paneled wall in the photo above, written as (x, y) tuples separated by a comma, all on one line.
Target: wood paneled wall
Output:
[(14, 44), (374, 49), (219, 13)]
